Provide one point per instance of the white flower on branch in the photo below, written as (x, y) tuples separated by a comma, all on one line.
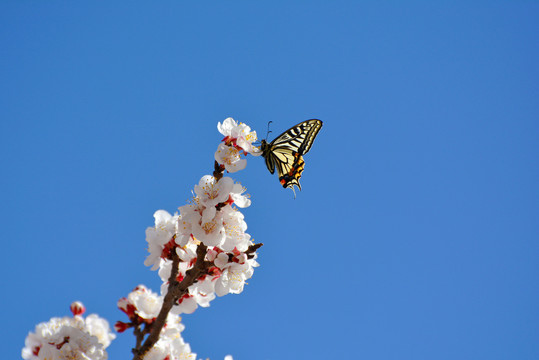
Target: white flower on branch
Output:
[(99, 327), (238, 197), (232, 279), (235, 227), (147, 303), (230, 157), (238, 139), (210, 217), (239, 135), (211, 192), (69, 338), (159, 236)]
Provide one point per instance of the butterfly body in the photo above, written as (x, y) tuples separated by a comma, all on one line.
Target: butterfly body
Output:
[(286, 152)]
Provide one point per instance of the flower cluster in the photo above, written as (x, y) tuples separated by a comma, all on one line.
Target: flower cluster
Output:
[(213, 219), (238, 139), (69, 338), (201, 253)]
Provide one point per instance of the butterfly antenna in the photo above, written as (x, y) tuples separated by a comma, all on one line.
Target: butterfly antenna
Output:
[(269, 131)]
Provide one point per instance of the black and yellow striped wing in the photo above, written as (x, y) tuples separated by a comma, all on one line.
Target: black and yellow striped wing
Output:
[(286, 152)]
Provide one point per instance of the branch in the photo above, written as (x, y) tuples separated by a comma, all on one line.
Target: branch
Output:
[(218, 171)]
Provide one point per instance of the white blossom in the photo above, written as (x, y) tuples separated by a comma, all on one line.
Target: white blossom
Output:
[(147, 303), (235, 227), (236, 194), (159, 235), (228, 125), (238, 139), (69, 338), (99, 328), (211, 192), (241, 133), (203, 291), (221, 260), (183, 234), (230, 157), (210, 232), (232, 280), (186, 305), (202, 219)]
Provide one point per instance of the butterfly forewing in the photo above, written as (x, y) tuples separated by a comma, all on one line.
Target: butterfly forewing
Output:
[(300, 137)]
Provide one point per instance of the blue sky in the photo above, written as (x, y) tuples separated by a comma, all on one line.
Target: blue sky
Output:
[(415, 235)]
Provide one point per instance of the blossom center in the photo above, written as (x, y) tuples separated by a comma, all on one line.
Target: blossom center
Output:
[(208, 227)]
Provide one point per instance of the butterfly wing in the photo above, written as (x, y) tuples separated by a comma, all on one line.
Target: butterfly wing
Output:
[(286, 152), (300, 138), (290, 172), (268, 156)]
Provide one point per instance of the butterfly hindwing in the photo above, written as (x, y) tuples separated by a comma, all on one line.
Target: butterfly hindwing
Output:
[(286, 152), (270, 162), (291, 174)]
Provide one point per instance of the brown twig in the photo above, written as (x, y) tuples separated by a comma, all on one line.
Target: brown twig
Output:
[(252, 249), (140, 333), (218, 171)]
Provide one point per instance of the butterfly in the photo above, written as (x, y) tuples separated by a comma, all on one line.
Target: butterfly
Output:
[(286, 152)]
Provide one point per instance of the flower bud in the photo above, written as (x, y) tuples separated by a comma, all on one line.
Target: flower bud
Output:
[(77, 308)]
